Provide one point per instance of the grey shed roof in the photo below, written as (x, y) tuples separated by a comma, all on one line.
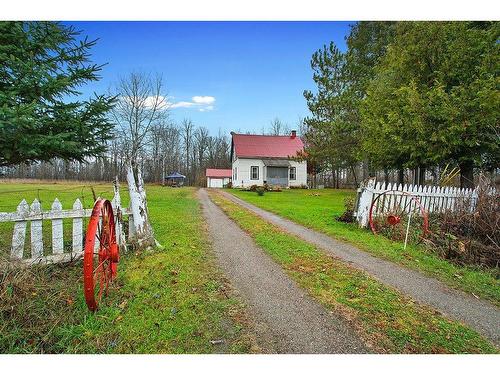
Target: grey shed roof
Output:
[(276, 163), (176, 175)]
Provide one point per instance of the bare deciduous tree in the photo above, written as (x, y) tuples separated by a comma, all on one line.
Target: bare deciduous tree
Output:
[(278, 127), (141, 106), (187, 129), (141, 103)]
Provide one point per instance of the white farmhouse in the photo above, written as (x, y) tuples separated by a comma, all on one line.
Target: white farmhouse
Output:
[(260, 159)]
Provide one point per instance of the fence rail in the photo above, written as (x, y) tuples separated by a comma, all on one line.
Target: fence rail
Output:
[(35, 216), (433, 198)]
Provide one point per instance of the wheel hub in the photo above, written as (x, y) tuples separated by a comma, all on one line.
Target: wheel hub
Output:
[(393, 220)]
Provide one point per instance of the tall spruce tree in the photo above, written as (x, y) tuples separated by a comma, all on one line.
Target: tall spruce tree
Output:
[(330, 132), (42, 65), (334, 127)]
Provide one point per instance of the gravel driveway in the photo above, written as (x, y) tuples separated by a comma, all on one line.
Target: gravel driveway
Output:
[(477, 314), (287, 319)]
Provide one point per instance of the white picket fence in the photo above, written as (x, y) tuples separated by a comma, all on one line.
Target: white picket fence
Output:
[(433, 198), (35, 216)]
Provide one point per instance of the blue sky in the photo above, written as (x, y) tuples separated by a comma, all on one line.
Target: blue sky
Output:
[(255, 71)]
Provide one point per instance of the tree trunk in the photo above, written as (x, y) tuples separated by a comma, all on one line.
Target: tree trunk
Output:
[(435, 175), (142, 235), (415, 176), (366, 172), (401, 176), (467, 174), (421, 176), (353, 170)]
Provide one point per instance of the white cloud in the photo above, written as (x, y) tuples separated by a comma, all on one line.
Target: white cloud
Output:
[(149, 102), (181, 105), (203, 99), (207, 108), (202, 103), (160, 101)]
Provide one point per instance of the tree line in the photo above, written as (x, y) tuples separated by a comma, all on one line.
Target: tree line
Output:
[(419, 96), (171, 147)]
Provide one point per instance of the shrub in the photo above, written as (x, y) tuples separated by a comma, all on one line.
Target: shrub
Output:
[(260, 191), (229, 185), (468, 236), (348, 214), (253, 188), (301, 186)]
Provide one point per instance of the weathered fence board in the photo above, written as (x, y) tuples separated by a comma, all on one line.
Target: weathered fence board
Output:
[(78, 228), (36, 231), (57, 230)]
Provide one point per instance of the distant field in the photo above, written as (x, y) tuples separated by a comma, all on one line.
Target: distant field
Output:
[(171, 300), (317, 209), (12, 193)]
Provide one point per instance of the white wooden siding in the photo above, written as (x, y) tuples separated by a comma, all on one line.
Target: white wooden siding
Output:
[(243, 168)]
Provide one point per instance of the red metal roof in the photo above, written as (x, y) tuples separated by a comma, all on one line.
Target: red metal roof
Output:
[(219, 172), (267, 146)]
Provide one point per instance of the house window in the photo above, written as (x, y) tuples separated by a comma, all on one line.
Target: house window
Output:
[(254, 173), (293, 173)]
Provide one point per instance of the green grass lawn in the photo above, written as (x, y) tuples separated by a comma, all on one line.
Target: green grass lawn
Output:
[(388, 320), (171, 300), (317, 209)]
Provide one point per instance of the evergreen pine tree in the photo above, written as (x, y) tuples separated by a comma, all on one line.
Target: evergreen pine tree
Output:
[(42, 65)]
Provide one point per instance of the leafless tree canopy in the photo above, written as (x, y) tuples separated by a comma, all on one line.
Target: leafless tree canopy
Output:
[(142, 105), (166, 151), (278, 127)]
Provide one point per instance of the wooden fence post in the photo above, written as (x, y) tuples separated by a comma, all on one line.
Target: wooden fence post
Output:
[(19, 234), (364, 202)]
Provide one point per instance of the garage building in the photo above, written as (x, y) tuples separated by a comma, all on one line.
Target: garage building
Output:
[(218, 178)]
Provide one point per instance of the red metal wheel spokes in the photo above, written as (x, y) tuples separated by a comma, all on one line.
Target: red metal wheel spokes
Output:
[(399, 216), (101, 253)]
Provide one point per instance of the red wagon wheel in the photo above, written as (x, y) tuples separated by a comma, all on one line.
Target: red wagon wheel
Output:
[(100, 258), (399, 216)]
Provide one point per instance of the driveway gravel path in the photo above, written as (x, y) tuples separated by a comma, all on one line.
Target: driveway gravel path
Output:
[(478, 314), (287, 319)]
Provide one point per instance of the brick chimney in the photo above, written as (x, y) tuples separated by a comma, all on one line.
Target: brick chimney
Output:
[(294, 134)]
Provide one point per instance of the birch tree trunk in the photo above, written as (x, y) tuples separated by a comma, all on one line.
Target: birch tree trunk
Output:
[(143, 235)]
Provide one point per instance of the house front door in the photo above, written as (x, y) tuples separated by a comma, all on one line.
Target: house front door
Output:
[(277, 176)]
